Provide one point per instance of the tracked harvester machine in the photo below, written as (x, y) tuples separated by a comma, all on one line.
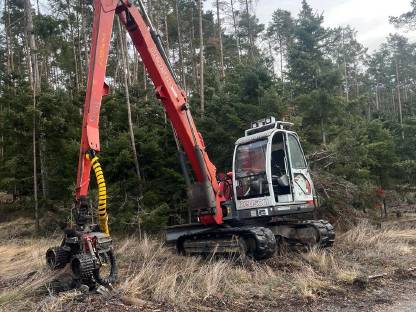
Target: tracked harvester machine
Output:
[(267, 198)]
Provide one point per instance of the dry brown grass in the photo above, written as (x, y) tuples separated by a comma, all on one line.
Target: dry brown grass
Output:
[(331, 265), (308, 283), (23, 272), (366, 236), (151, 272), (16, 228), (389, 247)]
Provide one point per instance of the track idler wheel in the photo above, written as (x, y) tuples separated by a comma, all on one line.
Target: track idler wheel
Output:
[(57, 257), (82, 266), (326, 234), (265, 243)]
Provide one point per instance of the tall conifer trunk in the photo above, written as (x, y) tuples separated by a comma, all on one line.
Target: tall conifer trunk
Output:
[(181, 63), (167, 36), (34, 82), (201, 60), (220, 40), (194, 65), (236, 30), (123, 52), (399, 98), (84, 35), (43, 165), (74, 49), (250, 34), (347, 85)]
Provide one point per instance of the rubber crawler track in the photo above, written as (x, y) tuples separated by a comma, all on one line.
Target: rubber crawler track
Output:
[(264, 239)]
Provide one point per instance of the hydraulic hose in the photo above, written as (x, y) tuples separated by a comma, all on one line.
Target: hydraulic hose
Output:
[(102, 194)]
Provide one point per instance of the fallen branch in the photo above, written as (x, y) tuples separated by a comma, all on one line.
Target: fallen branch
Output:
[(362, 281), (376, 276)]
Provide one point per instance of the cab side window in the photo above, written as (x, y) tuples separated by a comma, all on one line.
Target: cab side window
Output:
[(297, 158), (278, 155)]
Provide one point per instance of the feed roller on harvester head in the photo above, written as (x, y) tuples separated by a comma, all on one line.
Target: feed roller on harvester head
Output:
[(267, 198)]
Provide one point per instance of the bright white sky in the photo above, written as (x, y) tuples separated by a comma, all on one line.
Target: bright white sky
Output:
[(368, 17)]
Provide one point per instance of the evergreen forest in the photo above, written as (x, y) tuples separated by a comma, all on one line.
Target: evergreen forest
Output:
[(354, 109)]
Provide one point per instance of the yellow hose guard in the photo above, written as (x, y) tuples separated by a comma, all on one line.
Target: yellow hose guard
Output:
[(102, 194)]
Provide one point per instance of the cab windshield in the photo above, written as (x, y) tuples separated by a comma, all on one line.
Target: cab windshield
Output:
[(250, 170)]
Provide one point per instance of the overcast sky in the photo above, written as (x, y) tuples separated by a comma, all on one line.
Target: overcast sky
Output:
[(368, 17)]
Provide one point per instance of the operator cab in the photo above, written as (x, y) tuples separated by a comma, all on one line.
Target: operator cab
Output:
[(271, 176)]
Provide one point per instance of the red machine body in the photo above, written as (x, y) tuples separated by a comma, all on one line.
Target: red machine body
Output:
[(167, 89)]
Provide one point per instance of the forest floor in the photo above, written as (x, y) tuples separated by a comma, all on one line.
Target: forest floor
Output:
[(368, 269)]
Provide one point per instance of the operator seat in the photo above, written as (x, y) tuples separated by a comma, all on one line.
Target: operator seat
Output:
[(278, 170), (278, 161)]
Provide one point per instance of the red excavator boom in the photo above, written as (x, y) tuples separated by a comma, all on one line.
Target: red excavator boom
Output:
[(205, 192)]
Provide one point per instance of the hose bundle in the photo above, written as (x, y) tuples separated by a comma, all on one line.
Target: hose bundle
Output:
[(102, 194)]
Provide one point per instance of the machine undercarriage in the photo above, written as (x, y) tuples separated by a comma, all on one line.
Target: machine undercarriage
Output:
[(255, 241)]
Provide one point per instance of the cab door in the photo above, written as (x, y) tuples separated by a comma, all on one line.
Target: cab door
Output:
[(302, 184), (250, 179)]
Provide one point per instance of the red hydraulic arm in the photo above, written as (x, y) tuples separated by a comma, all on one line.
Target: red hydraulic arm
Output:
[(168, 91)]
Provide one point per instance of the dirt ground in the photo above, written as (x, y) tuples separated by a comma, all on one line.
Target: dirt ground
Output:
[(369, 269)]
